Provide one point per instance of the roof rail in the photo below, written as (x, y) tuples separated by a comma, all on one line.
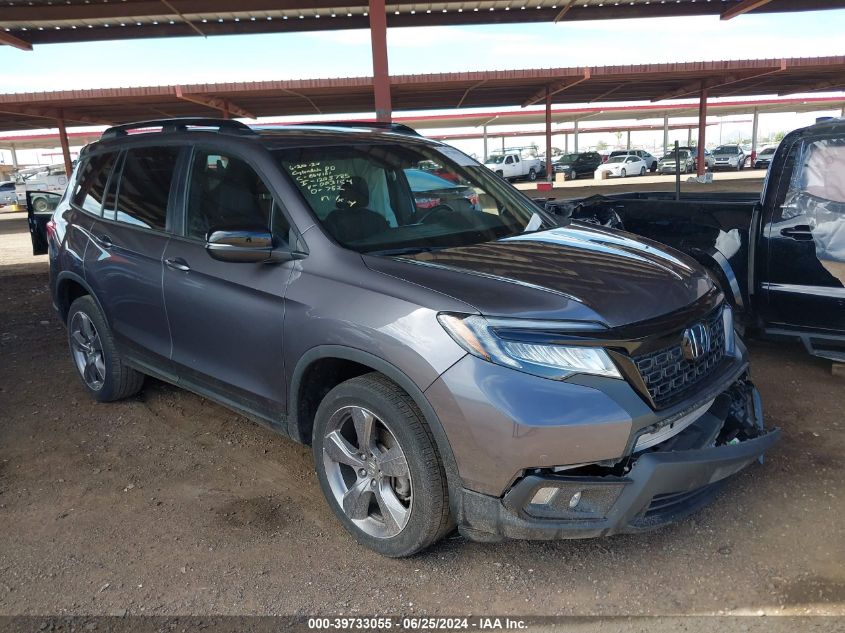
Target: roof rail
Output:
[(399, 128), (227, 126)]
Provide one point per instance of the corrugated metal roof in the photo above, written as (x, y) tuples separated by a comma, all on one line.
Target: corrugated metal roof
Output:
[(27, 22), (498, 89)]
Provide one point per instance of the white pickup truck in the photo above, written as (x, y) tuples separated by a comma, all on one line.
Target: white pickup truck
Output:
[(38, 180), (513, 165)]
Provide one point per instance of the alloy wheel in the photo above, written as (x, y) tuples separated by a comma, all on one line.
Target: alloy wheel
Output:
[(367, 472), (87, 350)]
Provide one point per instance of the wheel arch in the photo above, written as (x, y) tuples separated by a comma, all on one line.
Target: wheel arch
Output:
[(69, 287), (301, 409)]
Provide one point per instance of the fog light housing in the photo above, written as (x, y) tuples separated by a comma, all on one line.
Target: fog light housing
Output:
[(544, 496)]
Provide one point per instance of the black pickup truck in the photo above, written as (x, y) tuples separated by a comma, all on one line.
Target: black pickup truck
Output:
[(779, 256)]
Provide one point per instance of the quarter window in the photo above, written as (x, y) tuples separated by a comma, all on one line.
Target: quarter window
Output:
[(93, 179), (145, 186)]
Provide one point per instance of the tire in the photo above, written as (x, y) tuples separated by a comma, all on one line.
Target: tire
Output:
[(573, 175), (419, 502), (532, 174), (95, 356), (623, 173), (642, 171)]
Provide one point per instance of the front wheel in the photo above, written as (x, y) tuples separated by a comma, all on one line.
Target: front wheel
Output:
[(623, 173), (95, 355), (379, 467)]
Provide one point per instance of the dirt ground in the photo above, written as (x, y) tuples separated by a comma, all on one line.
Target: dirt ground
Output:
[(169, 504)]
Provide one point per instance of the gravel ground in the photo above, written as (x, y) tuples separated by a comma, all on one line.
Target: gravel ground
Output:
[(169, 504)]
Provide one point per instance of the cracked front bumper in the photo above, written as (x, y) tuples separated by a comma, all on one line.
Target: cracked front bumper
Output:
[(660, 486)]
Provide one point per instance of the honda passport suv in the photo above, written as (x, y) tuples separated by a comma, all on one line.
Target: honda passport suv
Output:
[(464, 361)]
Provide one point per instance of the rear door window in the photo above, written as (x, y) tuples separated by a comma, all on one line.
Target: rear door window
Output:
[(144, 188), (93, 179)]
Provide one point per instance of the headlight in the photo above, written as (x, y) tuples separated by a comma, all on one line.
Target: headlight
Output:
[(486, 338), (730, 333)]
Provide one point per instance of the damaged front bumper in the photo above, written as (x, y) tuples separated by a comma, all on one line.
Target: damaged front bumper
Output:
[(651, 488)]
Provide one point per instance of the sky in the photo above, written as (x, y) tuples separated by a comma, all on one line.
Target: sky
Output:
[(345, 53)]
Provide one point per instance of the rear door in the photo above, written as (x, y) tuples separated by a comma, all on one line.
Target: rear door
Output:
[(804, 239), (123, 262), (39, 209), (227, 318)]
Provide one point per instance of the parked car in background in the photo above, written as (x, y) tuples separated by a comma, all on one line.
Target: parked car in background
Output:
[(513, 166), (8, 197), (434, 192), (779, 256), (493, 370), (686, 162), (764, 157), (648, 159), (709, 161), (623, 166), (574, 165), (729, 157)]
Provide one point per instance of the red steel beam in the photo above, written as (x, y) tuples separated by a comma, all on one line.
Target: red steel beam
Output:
[(225, 106), (560, 86), (702, 131), (550, 175), (381, 75), (60, 122), (742, 7), (10, 40)]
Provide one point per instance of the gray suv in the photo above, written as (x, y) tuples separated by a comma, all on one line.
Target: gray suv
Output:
[(461, 360)]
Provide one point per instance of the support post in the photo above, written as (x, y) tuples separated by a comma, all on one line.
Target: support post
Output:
[(628, 146), (575, 136), (65, 146), (550, 176), (754, 136), (485, 144), (225, 110), (565, 143), (702, 132), (381, 76), (14, 157), (665, 134), (689, 136)]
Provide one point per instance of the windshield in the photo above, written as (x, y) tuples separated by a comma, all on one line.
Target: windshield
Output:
[(616, 159), (496, 160), (768, 150), (374, 198), (726, 149)]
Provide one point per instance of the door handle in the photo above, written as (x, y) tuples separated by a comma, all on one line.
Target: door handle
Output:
[(177, 263), (105, 241), (802, 232)]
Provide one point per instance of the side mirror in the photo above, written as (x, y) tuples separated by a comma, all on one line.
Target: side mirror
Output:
[(246, 245)]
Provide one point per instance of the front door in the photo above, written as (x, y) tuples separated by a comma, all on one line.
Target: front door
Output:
[(227, 318), (805, 239)]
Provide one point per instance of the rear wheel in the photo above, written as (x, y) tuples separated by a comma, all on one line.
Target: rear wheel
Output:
[(379, 468), (95, 355), (532, 174), (642, 171)]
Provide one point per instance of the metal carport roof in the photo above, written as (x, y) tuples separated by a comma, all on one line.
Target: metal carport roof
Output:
[(432, 91), (24, 23)]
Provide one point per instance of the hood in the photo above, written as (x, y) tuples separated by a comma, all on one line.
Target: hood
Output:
[(576, 272)]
